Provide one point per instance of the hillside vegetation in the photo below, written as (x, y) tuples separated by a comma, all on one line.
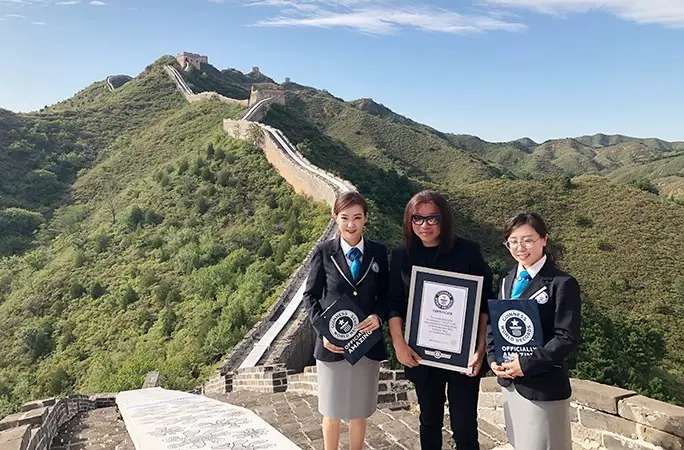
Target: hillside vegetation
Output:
[(42, 153), (157, 241), (163, 251), (619, 240)]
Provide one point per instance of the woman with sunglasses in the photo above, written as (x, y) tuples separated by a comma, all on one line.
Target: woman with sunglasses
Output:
[(536, 388), (430, 241)]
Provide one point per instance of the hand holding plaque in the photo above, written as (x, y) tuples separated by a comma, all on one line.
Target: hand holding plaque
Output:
[(516, 328), (339, 325)]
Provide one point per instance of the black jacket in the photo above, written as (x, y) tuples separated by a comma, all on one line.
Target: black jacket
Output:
[(465, 257), (330, 277), (546, 372)]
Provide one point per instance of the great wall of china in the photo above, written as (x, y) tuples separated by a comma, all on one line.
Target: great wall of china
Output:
[(269, 366)]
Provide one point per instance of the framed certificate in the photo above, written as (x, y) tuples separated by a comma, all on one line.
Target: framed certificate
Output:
[(442, 317)]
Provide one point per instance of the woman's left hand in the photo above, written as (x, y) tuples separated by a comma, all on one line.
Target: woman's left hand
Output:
[(513, 368), (475, 363), (370, 323)]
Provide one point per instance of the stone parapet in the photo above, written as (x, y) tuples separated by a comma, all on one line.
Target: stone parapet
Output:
[(219, 384), (39, 421), (261, 379), (603, 417)]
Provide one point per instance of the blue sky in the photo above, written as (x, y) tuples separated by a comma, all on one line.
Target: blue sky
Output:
[(498, 69)]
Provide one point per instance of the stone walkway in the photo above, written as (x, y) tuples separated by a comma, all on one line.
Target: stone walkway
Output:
[(294, 415), (98, 429), (297, 417)]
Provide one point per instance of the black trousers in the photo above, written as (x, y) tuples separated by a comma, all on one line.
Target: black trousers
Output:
[(463, 392)]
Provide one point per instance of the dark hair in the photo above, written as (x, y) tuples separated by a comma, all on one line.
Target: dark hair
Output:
[(348, 199), (447, 229), (526, 218)]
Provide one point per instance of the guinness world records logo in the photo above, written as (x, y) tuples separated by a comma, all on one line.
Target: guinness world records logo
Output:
[(444, 300), (343, 324), (516, 327)]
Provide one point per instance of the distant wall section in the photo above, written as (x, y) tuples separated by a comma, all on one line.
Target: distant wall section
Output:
[(193, 59), (303, 181)]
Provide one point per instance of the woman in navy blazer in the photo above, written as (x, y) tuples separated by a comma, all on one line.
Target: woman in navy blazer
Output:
[(351, 265), (536, 388)]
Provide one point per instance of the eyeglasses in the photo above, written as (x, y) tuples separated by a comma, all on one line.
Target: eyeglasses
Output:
[(525, 243), (431, 220)]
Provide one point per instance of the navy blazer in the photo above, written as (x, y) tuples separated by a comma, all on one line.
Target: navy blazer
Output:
[(546, 372), (330, 277), (465, 257)]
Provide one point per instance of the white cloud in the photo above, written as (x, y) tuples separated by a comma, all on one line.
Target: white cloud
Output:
[(70, 2), (15, 16), (98, 3), (378, 16), (669, 13), (39, 23)]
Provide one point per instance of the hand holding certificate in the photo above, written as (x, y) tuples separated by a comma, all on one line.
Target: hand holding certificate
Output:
[(442, 318)]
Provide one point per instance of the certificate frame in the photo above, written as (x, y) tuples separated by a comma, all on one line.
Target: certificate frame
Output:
[(459, 307)]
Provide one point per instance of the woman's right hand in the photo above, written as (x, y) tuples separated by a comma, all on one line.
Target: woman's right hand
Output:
[(332, 347), (499, 371), (406, 355)]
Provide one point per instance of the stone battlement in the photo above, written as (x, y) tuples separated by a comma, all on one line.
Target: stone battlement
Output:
[(38, 423)]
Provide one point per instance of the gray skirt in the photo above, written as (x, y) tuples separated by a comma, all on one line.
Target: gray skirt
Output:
[(536, 425), (348, 392)]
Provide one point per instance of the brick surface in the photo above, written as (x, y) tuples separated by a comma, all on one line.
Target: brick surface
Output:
[(613, 442), (98, 429), (599, 420), (660, 438), (296, 416)]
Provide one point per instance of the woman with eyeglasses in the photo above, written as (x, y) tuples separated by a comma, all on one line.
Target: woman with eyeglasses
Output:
[(352, 265), (430, 241), (536, 389)]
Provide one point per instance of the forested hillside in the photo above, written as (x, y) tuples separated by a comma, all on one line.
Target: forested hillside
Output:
[(166, 243), (620, 240), (135, 236)]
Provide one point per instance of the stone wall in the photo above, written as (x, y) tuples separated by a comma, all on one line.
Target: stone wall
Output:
[(603, 418), (303, 180), (193, 59), (214, 96), (394, 391), (276, 95), (261, 379), (38, 423)]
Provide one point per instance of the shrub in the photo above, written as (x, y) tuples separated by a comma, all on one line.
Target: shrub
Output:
[(97, 290)]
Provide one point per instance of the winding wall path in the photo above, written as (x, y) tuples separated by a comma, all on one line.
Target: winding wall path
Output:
[(283, 335)]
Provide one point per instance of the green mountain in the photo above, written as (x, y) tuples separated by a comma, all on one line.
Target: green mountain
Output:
[(166, 243), (621, 242), (162, 240)]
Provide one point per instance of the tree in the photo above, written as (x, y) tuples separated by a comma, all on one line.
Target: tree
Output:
[(255, 135)]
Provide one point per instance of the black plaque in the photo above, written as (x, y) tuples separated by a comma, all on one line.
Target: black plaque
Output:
[(338, 323), (516, 328)]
